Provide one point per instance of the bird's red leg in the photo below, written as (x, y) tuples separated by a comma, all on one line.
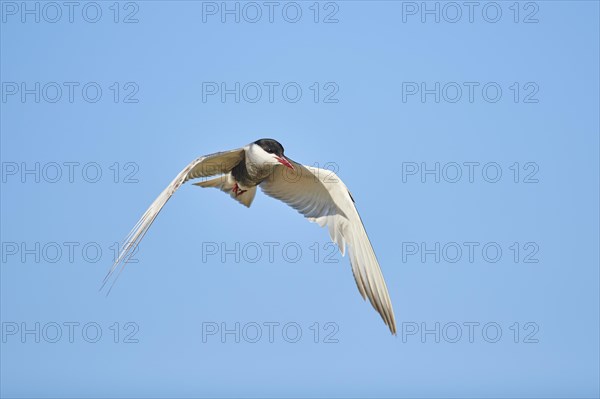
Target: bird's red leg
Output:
[(237, 191)]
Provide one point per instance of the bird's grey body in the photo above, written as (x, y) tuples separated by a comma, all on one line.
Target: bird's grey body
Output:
[(252, 169), (317, 194), (249, 174)]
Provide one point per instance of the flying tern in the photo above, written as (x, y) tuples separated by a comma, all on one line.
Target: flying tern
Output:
[(318, 194)]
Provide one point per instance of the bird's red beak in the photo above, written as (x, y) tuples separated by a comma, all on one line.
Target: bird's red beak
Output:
[(285, 162)]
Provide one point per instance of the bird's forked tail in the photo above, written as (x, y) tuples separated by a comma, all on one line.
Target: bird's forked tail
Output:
[(227, 184)]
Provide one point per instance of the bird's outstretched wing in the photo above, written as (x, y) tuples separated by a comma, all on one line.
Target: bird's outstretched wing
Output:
[(322, 197), (208, 165)]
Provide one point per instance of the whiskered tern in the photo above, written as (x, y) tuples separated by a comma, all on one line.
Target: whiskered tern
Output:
[(316, 193)]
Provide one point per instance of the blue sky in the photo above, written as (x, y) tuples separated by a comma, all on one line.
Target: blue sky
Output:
[(470, 145)]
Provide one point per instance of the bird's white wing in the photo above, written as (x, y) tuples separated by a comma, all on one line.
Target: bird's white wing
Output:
[(208, 165), (322, 197)]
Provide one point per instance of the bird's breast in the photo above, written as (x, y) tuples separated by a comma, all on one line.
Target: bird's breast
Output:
[(249, 174)]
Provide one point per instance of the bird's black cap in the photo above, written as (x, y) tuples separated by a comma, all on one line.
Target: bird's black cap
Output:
[(271, 146)]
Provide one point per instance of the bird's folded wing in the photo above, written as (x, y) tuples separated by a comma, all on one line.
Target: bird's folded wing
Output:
[(208, 165), (322, 197)]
